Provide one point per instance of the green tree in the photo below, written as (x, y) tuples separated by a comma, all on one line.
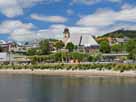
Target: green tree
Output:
[(132, 54), (60, 56), (131, 49), (131, 45), (116, 48), (105, 47), (77, 55), (70, 46), (90, 58), (45, 47), (32, 51), (59, 45)]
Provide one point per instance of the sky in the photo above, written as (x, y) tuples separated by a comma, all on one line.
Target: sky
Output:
[(27, 20)]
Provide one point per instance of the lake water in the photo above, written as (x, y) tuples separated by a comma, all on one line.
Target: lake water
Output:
[(34, 88)]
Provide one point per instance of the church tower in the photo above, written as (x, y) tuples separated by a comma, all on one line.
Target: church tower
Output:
[(66, 33)]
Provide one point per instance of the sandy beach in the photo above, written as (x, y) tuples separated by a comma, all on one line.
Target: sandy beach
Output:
[(86, 73)]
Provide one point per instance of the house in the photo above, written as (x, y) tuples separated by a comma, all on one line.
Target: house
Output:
[(121, 40), (9, 51), (5, 46), (114, 57), (113, 41), (22, 48), (84, 42), (4, 57)]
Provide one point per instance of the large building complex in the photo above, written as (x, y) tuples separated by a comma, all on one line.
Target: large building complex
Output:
[(83, 41)]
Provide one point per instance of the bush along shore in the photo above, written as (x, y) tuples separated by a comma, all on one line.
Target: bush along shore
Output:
[(114, 67)]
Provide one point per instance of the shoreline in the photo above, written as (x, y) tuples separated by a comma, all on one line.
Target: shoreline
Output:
[(80, 73)]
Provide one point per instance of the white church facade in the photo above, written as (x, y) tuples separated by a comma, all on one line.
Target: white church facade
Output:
[(84, 42)]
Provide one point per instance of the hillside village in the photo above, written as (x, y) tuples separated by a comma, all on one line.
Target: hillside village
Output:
[(73, 48)]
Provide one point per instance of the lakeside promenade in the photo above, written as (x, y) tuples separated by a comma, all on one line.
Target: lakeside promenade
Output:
[(76, 73)]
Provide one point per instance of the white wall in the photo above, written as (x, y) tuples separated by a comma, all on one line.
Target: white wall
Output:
[(3, 56)]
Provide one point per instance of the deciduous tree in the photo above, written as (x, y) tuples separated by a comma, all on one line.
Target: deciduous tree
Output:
[(70, 46), (105, 47)]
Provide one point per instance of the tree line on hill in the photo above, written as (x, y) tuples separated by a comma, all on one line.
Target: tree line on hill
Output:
[(121, 33)]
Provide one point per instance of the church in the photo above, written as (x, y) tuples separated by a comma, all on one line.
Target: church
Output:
[(84, 42)]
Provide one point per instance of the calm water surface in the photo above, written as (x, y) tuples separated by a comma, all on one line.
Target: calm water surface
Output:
[(34, 88)]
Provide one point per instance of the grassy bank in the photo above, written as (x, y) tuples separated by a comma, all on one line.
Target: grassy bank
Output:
[(115, 67)]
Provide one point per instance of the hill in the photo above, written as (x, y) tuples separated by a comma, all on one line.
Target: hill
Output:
[(121, 33)]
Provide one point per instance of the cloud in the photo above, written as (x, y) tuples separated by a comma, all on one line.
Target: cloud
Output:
[(125, 26), (127, 6), (97, 19), (56, 31), (114, 0), (12, 8), (9, 26), (23, 35), (105, 20), (70, 12), (100, 22), (18, 30), (89, 2), (108, 17), (53, 19)]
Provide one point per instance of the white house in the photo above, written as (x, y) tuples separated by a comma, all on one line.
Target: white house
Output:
[(4, 57)]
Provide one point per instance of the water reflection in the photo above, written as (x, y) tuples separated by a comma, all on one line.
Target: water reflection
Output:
[(33, 88)]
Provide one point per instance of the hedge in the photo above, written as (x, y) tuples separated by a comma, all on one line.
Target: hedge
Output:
[(115, 67)]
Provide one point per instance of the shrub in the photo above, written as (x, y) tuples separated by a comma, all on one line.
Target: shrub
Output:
[(116, 67)]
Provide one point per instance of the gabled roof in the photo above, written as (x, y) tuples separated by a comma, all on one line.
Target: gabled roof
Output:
[(82, 39), (88, 40), (75, 39)]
